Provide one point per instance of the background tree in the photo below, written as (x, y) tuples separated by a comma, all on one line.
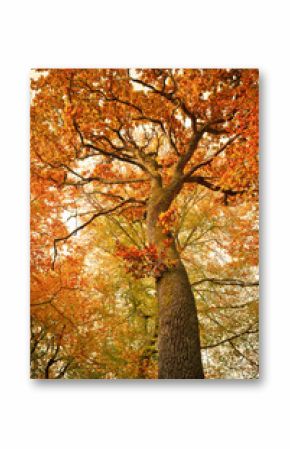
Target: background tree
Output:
[(136, 144)]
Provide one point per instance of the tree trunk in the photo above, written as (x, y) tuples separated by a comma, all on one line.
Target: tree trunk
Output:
[(178, 340)]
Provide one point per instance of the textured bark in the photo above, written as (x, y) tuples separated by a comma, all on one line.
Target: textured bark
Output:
[(178, 340)]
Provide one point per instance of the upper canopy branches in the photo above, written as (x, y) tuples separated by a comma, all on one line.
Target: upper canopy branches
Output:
[(156, 123)]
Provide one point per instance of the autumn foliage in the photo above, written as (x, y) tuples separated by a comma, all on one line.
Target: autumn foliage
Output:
[(135, 173)]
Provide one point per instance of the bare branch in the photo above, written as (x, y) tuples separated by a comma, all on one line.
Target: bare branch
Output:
[(229, 339), (85, 224), (228, 307), (227, 281)]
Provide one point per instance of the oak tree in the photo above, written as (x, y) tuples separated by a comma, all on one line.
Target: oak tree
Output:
[(131, 143)]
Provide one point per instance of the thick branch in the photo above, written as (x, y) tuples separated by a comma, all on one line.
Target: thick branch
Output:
[(203, 182)]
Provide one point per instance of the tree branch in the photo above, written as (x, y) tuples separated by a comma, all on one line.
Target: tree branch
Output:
[(229, 339), (85, 224), (208, 161), (227, 281), (100, 179), (237, 306), (203, 182)]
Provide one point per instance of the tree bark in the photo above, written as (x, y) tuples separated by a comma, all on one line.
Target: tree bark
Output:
[(178, 340)]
